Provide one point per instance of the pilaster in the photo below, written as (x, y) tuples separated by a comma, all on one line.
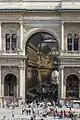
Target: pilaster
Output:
[(22, 80), (0, 83), (17, 88), (61, 82), (0, 37), (21, 29), (79, 89), (62, 36)]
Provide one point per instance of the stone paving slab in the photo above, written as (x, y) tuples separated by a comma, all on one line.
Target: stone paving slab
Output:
[(19, 116)]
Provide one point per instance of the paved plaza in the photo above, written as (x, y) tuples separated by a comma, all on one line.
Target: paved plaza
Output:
[(19, 116), (43, 109)]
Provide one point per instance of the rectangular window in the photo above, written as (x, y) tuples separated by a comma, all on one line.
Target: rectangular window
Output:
[(76, 44), (8, 44), (14, 44), (69, 43)]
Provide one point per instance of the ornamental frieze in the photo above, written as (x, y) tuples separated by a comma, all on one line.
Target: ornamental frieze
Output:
[(70, 59), (9, 61)]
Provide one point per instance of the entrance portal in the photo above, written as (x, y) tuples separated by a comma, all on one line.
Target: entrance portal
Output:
[(40, 49), (72, 86), (10, 85)]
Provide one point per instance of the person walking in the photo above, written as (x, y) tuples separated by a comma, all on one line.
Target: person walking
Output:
[(22, 111), (29, 112), (12, 113)]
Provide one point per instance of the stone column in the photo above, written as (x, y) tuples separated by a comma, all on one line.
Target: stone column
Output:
[(21, 29), (62, 36), (0, 38), (39, 73), (62, 82), (39, 76), (0, 81), (79, 89), (17, 88), (2, 89), (59, 86), (22, 80)]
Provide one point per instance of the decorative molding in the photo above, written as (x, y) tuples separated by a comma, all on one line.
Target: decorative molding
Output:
[(61, 67), (9, 70)]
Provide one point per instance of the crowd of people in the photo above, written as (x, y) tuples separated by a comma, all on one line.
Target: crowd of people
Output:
[(41, 110), (38, 109), (41, 105), (44, 110)]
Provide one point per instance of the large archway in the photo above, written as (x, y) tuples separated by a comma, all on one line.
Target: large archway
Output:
[(10, 85), (41, 48), (72, 86)]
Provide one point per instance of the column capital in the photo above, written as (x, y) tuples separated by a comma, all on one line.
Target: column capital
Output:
[(62, 22), (61, 67), (22, 67), (21, 22)]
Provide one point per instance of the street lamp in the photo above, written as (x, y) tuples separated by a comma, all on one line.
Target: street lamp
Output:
[(54, 76), (55, 79)]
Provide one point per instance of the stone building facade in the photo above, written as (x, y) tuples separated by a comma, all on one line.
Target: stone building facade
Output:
[(21, 61)]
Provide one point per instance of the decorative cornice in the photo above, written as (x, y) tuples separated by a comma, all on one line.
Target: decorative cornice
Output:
[(41, 0), (13, 56), (30, 1), (58, 10), (70, 57), (26, 10), (12, 10), (68, 10)]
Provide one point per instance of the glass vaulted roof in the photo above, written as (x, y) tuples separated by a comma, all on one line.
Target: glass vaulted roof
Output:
[(45, 42)]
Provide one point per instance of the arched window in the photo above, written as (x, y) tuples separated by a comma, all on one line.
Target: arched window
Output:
[(7, 41), (76, 42), (69, 42), (14, 40), (11, 40)]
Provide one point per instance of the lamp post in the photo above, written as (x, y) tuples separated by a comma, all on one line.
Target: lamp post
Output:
[(55, 76)]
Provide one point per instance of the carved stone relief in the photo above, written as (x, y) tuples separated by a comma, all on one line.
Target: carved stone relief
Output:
[(9, 62)]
